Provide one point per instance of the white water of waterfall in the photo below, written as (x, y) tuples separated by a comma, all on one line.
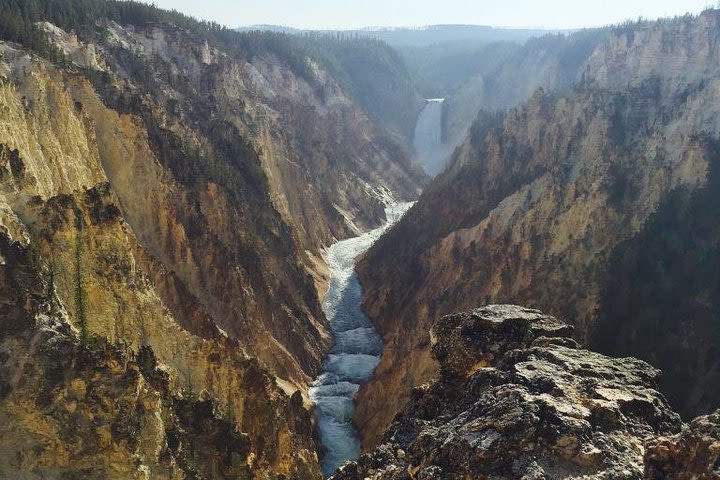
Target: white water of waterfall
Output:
[(356, 352), (432, 154)]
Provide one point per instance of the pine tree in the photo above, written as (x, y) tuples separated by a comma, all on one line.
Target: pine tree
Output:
[(80, 303)]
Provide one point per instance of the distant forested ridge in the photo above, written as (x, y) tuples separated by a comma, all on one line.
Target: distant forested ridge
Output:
[(374, 75), (18, 19), (428, 35)]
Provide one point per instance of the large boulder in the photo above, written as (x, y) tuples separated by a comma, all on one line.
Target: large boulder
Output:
[(517, 398), (692, 454)]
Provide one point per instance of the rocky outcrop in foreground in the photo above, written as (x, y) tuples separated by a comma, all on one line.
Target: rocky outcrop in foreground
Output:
[(694, 453), (518, 398)]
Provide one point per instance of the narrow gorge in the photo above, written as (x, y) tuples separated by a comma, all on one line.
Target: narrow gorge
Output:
[(356, 351), (557, 204)]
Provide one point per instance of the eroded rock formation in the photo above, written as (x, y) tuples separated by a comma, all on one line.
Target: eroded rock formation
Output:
[(693, 453), (72, 407), (517, 397)]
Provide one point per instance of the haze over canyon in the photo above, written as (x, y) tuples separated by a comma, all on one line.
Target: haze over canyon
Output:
[(413, 253)]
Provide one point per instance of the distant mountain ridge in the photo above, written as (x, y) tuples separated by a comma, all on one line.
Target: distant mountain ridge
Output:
[(426, 35)]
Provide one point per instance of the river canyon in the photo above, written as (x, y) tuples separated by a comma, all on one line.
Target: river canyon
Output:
[(254, 254)]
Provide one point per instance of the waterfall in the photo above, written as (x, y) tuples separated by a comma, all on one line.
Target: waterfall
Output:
[(356, 352), (432, 154)]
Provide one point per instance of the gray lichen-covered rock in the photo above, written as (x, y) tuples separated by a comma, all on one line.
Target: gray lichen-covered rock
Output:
[(692, 454), (517, 398)]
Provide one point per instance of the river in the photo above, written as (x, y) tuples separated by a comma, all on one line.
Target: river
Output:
[(356, 352)]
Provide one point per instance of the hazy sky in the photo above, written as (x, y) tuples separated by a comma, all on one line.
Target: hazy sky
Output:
[(360, 13)]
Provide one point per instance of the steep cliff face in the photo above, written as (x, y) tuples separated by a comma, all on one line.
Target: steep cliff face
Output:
[(372, 73), (258, 167), (57, 201), (517, 398), (73, 407), (509, 76), (172, 195), (659, 298), (538, 202)]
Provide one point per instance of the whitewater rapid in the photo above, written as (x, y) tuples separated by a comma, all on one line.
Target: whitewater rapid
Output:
[(356, 352)]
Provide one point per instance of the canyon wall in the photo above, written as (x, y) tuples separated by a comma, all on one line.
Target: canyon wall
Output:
[(164, 202), (509, 75), (248, 170), (539, 203)]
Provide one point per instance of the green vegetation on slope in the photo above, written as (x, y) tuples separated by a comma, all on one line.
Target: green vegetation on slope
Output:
[(18, 19), (372, 73), (80, 295), (661, 300)]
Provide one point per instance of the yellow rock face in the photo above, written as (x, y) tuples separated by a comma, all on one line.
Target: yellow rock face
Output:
[(68, 160), (40, 120)]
